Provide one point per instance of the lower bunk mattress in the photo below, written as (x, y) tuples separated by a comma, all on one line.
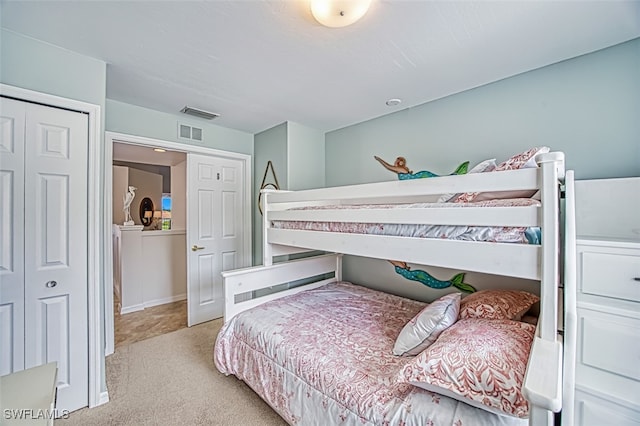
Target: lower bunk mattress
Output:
[(324, 357)]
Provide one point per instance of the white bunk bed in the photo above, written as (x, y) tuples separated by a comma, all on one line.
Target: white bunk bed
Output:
[(542, 385)]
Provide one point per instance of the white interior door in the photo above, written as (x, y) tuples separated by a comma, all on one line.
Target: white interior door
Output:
[(215, 227), (54, 252)]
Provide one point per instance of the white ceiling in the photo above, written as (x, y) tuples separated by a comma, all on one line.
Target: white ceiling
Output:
[(259, 63)]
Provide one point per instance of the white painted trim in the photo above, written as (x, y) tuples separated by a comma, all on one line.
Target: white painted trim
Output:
[(95, 251), (109, 327), (110, 138)]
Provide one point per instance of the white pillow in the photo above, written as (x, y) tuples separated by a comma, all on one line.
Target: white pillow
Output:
[(423, 329), (485, 166)]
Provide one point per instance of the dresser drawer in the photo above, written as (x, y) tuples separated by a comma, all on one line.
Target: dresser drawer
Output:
[(591, 410), (610, 274), (608, 350)]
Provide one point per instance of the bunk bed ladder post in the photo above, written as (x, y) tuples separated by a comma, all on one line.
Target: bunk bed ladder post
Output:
[(543, 380), (338, 273), (550, 195), (267, 252)]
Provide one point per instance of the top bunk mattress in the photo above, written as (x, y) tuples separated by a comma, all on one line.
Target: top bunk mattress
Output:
[(471, 232)]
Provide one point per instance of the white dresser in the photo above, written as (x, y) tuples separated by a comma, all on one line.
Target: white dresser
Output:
[(608, 339), (28, 397)]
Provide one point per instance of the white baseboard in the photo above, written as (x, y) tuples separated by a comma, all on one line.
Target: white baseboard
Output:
[(104, 398), (132, 308), (151, 303), (165, 300)]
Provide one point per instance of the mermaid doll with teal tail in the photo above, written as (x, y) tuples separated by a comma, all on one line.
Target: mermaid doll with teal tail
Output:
[(425, 278), (404, 173)]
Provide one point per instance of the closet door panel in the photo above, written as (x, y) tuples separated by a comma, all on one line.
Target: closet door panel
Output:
[(56, 279), (12, 123)]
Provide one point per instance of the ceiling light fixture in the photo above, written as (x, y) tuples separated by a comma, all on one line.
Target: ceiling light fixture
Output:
[(159, 150), (338, 13), (393, 102)]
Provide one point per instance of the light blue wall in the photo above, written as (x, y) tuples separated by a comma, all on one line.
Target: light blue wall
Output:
[(39, 66), (269, 145), (138, 121), (588, 107), (306, 157)]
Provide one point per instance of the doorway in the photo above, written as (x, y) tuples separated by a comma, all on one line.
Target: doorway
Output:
[(180, 212), (150, 281)]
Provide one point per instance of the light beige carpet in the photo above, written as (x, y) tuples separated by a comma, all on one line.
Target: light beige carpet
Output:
[(171, 380)]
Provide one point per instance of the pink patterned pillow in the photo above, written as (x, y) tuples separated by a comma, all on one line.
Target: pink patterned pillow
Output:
[(497, 304), (423, 329), (523, 160), (479, 362)]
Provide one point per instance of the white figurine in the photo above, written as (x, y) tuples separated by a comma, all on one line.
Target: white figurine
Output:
[(127, 199)]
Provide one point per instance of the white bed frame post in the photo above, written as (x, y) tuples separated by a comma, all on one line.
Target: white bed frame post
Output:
[(552, 169), (570, 327), (267, 252), (543, 381)]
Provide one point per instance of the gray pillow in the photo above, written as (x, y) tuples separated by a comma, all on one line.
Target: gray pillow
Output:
[(423, 329)]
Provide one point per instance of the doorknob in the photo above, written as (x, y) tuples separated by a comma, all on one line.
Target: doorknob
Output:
[(196, 248), (51, 284)]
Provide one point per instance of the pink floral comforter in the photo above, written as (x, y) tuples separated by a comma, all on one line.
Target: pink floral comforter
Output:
[(323, 357), (506, 234)]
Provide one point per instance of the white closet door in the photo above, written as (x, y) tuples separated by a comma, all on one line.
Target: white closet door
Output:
[(56, 326), (215, 231), (44, 244), (12, 116)]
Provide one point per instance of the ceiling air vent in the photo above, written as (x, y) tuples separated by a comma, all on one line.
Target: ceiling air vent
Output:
[(200, 113)]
